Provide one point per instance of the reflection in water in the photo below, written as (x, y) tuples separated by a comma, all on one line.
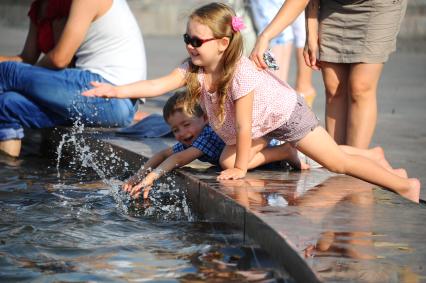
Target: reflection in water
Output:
[(71, 229), (335, 217)]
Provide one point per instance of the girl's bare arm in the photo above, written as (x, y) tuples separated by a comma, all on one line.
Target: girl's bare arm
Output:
[(140, 89), (243, 116)]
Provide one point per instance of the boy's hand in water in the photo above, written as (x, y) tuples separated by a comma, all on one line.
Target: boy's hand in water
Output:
[(231, 174), (101, 90), (131, 182), (145, 186)]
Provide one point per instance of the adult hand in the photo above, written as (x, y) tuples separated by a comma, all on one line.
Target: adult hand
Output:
[(101, 90), (310, 52), (231, 174), (259, 49)]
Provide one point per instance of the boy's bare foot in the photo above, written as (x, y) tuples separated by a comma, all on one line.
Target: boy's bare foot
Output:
[(413, 193), (294, 159)]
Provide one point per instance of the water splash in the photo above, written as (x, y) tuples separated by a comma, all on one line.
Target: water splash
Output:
[(166, 201)]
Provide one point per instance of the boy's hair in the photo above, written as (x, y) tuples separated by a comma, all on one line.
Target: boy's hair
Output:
[(176, 104), (218, 17)]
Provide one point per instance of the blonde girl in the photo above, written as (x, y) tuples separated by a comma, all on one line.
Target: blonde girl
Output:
[(247, 106)]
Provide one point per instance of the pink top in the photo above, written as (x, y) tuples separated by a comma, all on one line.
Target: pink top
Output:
[(273, 103)]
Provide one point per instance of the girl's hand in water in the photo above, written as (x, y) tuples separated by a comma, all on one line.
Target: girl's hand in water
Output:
[(259, 49), (231, 174), (101, 90)]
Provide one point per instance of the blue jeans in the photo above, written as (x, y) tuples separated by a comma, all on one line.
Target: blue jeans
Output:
[(35, 97)]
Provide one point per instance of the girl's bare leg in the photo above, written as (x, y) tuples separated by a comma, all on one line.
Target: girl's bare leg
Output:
[(260, 154), (277, 153), (322, 148), (335, 77), (362, 104), (376, 154)]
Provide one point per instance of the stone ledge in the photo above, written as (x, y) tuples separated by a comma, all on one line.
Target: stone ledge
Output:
[(318, 226), (327, 227)]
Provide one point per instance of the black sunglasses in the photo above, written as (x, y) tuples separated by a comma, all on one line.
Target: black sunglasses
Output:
[(195, 41)]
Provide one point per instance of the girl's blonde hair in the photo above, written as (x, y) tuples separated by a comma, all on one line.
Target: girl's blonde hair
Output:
[(218, 17)]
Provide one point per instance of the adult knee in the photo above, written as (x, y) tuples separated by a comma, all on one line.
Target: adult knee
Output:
[(7, 75), (361, 90), (10, 101), (334, 89)]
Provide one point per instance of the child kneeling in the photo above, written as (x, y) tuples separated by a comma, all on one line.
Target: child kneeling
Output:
[(197, 140)]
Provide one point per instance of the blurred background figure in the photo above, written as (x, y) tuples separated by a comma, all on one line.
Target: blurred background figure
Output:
[(281, 46), (81, 41)]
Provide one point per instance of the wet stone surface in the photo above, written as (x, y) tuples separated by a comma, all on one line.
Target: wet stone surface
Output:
[(343, 228)]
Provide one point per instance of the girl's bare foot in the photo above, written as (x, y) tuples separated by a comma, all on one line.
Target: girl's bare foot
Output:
[(401, 172), (413, 193), (378, 154)]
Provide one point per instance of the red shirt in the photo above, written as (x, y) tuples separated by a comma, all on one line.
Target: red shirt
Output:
[(55, 9)]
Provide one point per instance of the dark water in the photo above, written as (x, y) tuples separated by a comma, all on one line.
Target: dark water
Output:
[(75, 228)]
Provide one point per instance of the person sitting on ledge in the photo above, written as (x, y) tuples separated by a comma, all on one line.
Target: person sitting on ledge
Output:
[(100, 39), (197, 140)]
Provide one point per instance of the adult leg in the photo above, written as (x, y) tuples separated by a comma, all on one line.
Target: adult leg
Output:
[(362, 103), (335, 77), (16, 111), (304, 84), (282, 54), (304, 73), (320, 146), (60, 93)]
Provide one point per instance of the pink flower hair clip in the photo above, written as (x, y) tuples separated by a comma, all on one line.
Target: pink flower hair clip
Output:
[(237, 24)]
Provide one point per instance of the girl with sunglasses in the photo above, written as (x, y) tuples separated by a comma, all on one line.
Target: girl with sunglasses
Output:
[(244, 104)]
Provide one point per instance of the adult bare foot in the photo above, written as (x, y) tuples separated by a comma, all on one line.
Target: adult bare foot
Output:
[(139, 115), (10, 147), (308, 94)]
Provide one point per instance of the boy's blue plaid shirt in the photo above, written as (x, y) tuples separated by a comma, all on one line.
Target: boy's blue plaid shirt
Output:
[(207, 142)]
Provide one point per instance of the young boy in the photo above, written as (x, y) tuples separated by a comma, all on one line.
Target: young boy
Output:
[(196, 140)]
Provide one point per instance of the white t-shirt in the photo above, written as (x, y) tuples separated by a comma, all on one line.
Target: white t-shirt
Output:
[(113, 47)]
